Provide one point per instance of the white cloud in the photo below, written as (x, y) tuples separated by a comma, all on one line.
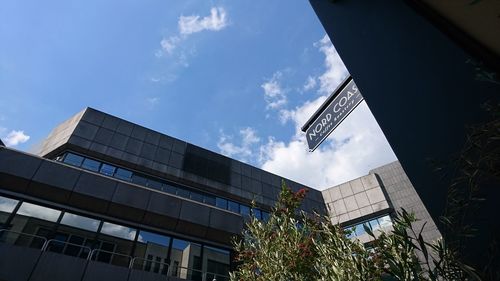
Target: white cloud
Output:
[(274, 94), (248, 140), (355, 147), (310, 83), (187, 25), (15, 137), (335, 72), (192, 24), (168, 45)]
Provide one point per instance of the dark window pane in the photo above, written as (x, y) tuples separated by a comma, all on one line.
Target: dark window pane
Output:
[(257, 213), (183, 193), (217, 263), (73, 159), (244, 210), (154, 184), (139, 180), (169, 189), (210, 200), (265, 216), (91, 165), (107, 170), (221, 203), (196, 197), (233, 206), (123, 174)]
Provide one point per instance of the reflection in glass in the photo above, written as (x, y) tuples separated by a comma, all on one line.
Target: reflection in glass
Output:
[(7, 205), (107, 170), (244, 210), (385, 221), (233, 206), (116, 243), (80, 222), (91, 165), (72, 241), (216, 263), (221, 203), (118, 231), (210, 200), (33, 222), (196, 197), (123, 174), (154, 184), (73, 159), (186, 260), (139, 180), (152, 249), (36, 211), (257, 213)]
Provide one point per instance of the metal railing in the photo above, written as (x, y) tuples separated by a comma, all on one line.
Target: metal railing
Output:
[(113, 258), (67, 248), (150, 265), (99, 255)]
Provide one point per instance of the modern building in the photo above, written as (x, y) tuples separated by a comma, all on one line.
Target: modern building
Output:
[(106, 199)]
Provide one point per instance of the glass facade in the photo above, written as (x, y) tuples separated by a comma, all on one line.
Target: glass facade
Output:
[(373, 224), (144, 180), (75, 235)]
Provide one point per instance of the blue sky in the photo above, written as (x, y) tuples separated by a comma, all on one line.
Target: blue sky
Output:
[(235, 77)]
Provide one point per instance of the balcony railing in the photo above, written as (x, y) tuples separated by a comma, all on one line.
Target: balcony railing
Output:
[(99, 255)]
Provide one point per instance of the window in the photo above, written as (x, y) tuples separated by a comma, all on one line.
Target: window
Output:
[(154, 184), (32, 220), (265, 216), (257, 213), (80, 222), (91, 165), (210, 200), (123, 174), (121, 238), (182, 193), (197, 197), (73, 159), (139, 180), (233, 206), (188, 256), (7, 205), (385, 221), (169, 189), (221, 203), (118, 231), (36, 211), (217, 263), (107, 170), (244, 210), (152, 248)]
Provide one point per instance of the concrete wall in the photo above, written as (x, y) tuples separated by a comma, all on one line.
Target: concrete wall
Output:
[(402, 194), (355, 199)]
